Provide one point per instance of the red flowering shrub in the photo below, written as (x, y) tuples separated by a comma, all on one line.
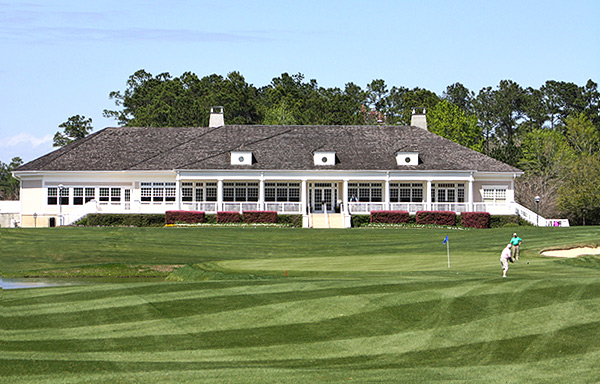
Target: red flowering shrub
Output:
[(389, 217), (436, 217), (476, 219), (189, 217), (228, 217), (253, 217)]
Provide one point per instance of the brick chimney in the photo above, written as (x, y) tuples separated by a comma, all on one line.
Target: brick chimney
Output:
[(216, 117), (418, 118)]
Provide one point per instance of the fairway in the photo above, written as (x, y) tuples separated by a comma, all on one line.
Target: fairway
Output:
[(359, 305)]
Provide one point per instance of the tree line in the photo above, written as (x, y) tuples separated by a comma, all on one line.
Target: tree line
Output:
[(551, 132)]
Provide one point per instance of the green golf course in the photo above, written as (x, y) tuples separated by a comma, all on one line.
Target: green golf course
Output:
[(289, 305)]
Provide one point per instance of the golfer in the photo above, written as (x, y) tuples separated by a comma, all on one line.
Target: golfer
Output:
[(515, 242), (504, 259)]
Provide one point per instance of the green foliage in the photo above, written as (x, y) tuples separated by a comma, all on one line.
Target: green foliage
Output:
[(450, 121), (582, 135), (9, 186), (290, 220), (497, 221), (75, 128), (579, 195), (545, 152), (360, 220), (122, 220)]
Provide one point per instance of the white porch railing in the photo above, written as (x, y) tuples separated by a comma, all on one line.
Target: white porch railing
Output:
[(535, 219), (283, 207), (409, 207), (280, 207), (453, 207), (71, 217), (201, 206), (363, 208)]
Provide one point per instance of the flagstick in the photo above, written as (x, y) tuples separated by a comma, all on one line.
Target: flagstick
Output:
[(448, 249)]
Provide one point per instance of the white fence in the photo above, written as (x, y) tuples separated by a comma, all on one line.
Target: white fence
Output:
[(537, 220)]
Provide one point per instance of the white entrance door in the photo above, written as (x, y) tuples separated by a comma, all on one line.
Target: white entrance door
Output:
[(322, 195)]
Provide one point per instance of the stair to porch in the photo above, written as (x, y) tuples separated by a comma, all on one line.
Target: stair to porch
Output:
[(331, 220)]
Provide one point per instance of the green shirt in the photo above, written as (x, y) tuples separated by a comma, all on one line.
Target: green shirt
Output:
[(516, 240)]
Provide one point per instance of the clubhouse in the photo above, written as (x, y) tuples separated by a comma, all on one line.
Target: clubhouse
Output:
[(303, 170)]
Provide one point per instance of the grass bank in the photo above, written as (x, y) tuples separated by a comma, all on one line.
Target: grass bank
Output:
[(368, 305)]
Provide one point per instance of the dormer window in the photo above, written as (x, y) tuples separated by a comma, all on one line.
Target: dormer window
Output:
[(407, 158), (241, 158), (324, 158)]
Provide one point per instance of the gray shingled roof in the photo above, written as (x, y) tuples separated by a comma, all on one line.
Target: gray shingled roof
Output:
[(273, 147)]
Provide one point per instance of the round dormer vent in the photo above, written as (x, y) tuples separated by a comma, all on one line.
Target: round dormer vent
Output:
[(324, 159), (407, 159)]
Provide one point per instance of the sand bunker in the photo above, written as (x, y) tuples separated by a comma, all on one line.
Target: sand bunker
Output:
[(574, 252)]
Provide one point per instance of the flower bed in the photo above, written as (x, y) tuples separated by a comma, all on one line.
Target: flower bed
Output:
[(389, 217), (476, 219), (188, 217), (253, 217), (436, 217), (228, 217)]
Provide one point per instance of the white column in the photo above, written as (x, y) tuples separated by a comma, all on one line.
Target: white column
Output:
[(219, 195), (345, 197), (386, 198), (303, 197), (178, 190), (261, 192), (303, 203), (428, 197), (471, 207)]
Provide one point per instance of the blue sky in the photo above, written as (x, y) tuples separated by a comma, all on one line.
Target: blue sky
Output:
[(63, 58)]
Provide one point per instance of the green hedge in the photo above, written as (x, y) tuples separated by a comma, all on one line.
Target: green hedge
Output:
[(508, 221), (495, 221), (291, 220), (123, 220)]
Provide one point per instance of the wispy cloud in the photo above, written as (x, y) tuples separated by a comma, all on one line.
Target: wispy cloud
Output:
[(33, 24), (71, 34), (24, 145), (25, 138)]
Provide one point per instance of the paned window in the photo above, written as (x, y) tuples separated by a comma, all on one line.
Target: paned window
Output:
[(282, 192), (365, 192), (115, 195), (90, 194), (52, 196), (494, 194), (146, 192), (406, 192), (159, 192), (187, 191), (64, 196), (77, 196), (240, 191), (211, 191), (448, 193), (104, 194), (170, 192)]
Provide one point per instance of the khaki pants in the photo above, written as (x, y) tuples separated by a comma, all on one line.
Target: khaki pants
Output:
[(515, 252)]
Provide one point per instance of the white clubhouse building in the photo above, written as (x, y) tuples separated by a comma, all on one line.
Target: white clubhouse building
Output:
[(305, 170)]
